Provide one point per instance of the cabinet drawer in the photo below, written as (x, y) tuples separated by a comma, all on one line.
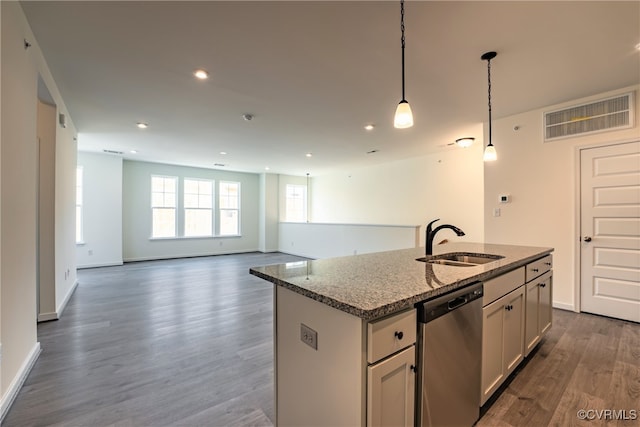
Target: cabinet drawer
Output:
[(388, 335), (502, 285), (538, 267)]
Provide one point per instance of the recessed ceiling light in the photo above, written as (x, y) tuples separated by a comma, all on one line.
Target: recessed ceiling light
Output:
[(223, 153), (369, 127), (201, 74), (142, 125), (134, 151), (638, 46), (309, 154), (267, 168)]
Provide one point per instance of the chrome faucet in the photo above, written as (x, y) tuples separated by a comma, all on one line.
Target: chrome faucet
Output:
[(430, 234)]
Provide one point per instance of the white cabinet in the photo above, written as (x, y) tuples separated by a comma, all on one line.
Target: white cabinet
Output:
[(356, 374), (391, 390), (539, 296), (391, 378), (502, 340), (516, 314)]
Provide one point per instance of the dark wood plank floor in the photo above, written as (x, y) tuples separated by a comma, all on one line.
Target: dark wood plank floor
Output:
[(189, 343)]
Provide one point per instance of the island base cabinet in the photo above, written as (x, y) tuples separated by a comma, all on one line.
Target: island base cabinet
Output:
[(321, 386), (502, 340), (391, 390)]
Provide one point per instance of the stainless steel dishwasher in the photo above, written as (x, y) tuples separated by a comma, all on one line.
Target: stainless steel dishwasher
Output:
[(450, 352)]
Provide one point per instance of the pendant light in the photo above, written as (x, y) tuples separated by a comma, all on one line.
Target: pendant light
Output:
[(404, 117), (490, 154)]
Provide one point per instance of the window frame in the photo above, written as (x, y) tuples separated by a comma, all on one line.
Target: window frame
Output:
[(175, 207), (185, 208), (222, 211), (305, 214), (80, 218)]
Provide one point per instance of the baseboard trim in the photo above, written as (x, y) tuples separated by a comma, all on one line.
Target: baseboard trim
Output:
[(165, 257), (45, 317), (106, 264), (563, 306), (18, 381), (66, 299)]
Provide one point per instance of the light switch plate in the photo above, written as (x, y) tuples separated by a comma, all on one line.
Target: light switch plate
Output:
[(308, 336)]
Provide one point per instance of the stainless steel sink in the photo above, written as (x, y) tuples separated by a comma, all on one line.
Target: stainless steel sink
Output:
[(460, 259)]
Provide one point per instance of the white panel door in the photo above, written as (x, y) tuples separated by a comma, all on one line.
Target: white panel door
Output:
[(610, 223)]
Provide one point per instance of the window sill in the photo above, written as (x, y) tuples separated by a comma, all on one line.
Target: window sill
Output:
[(194, 237)]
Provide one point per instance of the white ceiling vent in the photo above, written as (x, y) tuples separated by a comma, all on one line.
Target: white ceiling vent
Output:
[(603, 115), (119, 153)]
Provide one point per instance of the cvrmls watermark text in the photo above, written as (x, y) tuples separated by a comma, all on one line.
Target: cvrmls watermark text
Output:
[(608, 414)]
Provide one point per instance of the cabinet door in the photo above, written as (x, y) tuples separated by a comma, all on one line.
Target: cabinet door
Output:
[(514, 329), (391, 390), (545, 308), (532, 324), (492, 354), (502, 340)]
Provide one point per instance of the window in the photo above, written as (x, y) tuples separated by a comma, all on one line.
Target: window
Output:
[(79, 202), (163, 206), (229, 208), (296, 203), (198, 207)]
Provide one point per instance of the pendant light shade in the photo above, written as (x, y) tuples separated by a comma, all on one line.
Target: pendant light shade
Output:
[(490, 153), (404, 117)]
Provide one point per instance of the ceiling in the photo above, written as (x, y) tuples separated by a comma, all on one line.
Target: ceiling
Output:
[(313, 74)]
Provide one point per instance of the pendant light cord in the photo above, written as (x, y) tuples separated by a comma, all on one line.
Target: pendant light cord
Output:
[(402, 42), (489, 86)]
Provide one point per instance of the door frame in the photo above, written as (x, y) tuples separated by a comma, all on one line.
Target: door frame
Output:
[(577, 252)]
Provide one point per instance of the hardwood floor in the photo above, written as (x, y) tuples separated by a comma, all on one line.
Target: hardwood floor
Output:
[(189, 343), (178, 342)]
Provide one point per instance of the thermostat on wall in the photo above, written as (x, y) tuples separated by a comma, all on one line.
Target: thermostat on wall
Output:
[(505, 198)]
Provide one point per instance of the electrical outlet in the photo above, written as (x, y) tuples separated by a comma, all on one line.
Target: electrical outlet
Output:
[(496, 212), (90, 251), (308, 336)]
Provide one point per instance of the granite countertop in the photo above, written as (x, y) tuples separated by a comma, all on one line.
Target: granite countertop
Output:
[(373, 285)]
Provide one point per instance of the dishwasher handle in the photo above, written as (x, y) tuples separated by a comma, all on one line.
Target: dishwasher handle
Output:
[(456, 302), (441, 305)]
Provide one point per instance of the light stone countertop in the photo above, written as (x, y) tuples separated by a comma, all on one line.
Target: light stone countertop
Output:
[(374, 285)]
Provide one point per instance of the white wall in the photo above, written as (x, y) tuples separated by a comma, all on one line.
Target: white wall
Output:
[(65, 211), (542, 181), (448, 185), (321, 240), (136, 216), (46, 132), (102, 210), (18, 178), (269, 212)]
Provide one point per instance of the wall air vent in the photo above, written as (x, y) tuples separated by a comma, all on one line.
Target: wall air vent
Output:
[(119, 153), (606, 114)]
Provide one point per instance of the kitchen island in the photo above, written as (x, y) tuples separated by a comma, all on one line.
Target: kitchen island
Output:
[(333, 317)]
